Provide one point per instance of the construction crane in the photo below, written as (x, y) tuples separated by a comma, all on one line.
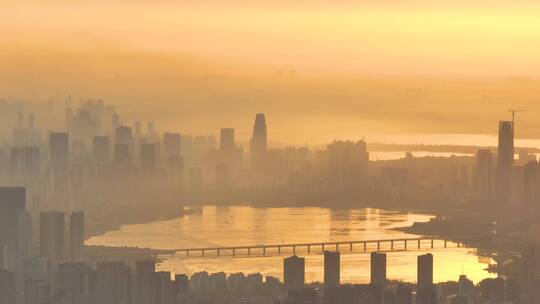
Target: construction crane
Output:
[(513, 111)]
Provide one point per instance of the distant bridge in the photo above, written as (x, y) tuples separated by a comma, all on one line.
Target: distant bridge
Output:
[(365, 246)]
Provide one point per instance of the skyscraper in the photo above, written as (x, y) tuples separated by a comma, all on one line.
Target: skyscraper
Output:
[(12, 204), (76, 233), (531, 192), (145, 282), (331, 269), (7, 287), (484, 174), (505, 161), (378, 268), (425, 271), (172, 145), (227, 142), (51, 240), (148, 157), (294, 272), (425, 290), (258, 143), (101, 149), (59, 153)]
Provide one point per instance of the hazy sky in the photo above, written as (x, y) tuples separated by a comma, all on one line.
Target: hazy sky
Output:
[(328, 36), (199, 65)]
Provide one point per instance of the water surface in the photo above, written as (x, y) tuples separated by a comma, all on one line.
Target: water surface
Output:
[(242, 225)]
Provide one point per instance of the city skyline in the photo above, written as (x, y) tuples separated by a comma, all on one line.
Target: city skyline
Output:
[(269, 152)]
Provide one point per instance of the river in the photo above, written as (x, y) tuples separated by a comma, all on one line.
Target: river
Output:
[(243, 225)]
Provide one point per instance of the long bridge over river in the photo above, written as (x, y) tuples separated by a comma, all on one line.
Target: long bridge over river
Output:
[(355, 246)]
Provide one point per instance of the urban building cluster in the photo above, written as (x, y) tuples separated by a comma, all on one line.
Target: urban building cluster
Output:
[(101, 172)]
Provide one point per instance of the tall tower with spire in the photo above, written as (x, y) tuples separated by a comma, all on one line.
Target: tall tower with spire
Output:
[(258, 143)]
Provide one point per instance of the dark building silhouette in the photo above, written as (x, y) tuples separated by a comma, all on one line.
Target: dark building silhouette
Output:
[(425, 271), (294, 272), (182, 283), (404, 294), (531, 191), (347, 168), (484, 174), (76, 233), (227, 141), (331, 269), (123, 144), (148, 157), (145, 282), (12, 205), (7, 287), (258, 143), (118, 278), (121, 155), (425, 292), (172, 145), (25, 161), (101, 149), (505, 161), (51, 240), (59, 153), (378, 269)]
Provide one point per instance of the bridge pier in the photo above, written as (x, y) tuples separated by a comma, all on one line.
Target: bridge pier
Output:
[(378, 245), (218, 252), (187, 252), (294, 248), (337, 247), (264, 250), (308, 248), (249, 251), (432, 243), (405, 244), (365, 246), (322, 247), (234, 252), (203, 252), (392, 245), (279, 249), (444, 243), (350, 246), (418, 243)]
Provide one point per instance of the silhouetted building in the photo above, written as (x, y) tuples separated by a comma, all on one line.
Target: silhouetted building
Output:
[(7, 287), (258, 144), (425, 271), (76, 232), (145, 282), (425, 292), (404, 294), (172, 145), (51, 240), (12, 204), (484, 174), (59, 153), (331, 269), (227, 142), (505, 161), (101, 149), (347, 168), (121, 155), (148, 157), (378, 269), (294, 272), (36, 291), (118, 278), (182, 283)]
